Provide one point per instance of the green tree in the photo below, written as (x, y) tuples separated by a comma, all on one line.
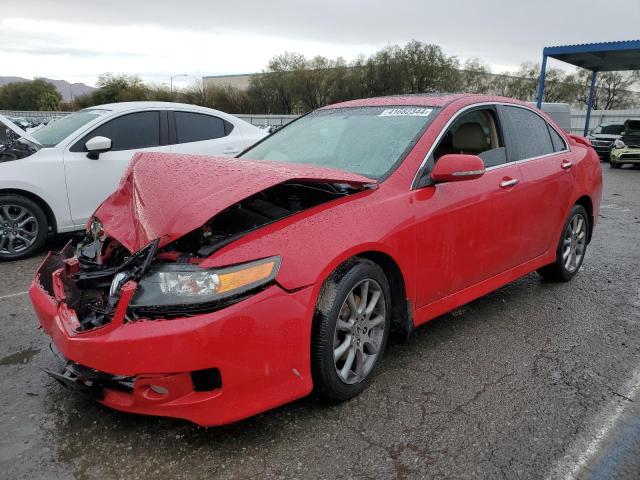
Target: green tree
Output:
[(428, 69), (475, 76), (116, 88), (277, 88), (291, 83), (35, 95), (120, 88), (523, 84), (612, 89)]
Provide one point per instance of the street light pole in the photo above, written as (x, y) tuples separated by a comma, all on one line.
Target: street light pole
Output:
[(176, 76)]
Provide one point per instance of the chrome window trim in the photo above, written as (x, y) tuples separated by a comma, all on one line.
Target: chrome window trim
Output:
[(469, 173), (414, 183), (526, 160)]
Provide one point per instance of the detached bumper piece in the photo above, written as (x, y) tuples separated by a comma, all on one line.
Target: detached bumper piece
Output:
[(109, 389), (91, 382)]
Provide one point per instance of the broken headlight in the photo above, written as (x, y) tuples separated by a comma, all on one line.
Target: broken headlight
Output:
[(174, 284), (96, 230)]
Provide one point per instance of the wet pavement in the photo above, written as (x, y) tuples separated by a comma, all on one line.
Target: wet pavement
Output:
[(536, 380)]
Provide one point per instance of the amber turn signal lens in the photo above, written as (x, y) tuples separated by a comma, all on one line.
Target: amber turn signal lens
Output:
[(247, 276)]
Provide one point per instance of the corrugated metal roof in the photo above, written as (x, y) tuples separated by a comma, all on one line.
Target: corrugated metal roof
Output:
[(602, 57), (615, 42)]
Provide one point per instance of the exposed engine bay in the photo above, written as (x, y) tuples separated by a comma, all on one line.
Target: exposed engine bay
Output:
[(94, 282), (13, 148), (265, 207)]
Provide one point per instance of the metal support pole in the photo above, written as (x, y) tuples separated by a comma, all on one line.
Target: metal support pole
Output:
[(592, 92), (543, 73)]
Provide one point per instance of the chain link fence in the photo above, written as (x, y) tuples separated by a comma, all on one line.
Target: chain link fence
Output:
[(577, 117), (27, 114)]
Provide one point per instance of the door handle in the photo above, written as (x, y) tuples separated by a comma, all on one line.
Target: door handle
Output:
[(230, 151), (566, 164), (508, 183)]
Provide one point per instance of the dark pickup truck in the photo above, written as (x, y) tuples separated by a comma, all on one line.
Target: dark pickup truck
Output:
[(603, 136)]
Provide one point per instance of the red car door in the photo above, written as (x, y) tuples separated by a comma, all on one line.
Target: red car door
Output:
[(468, 231), (546, 166)]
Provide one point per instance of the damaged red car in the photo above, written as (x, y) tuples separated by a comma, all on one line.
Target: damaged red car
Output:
[(212, 289)]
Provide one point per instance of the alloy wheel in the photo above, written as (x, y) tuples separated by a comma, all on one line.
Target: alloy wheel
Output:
[(359, 331), (575, 241), (18, 228)]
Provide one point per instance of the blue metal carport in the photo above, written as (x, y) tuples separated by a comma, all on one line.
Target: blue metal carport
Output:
[(597, 57)]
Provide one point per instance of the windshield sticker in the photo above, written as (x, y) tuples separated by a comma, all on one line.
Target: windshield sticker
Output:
[(406, 112)]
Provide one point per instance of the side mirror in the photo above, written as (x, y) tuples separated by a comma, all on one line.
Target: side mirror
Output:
[(457, 167), (97, 145)]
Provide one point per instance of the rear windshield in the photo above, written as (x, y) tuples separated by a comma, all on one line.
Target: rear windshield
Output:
[(369, 141), (52, 134)]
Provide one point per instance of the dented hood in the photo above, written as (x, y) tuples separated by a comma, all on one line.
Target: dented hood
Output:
[(167, 195)]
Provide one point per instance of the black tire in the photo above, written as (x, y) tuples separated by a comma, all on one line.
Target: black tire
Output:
[(9, 206), (327, 381), (558, 271), (615, 164)]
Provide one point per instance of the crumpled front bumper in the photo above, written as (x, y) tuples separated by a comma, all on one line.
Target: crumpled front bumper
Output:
[(260, 347)]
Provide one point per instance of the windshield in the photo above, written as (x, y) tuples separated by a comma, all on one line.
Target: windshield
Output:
[(612, 129), (369, 141), (52, 134)]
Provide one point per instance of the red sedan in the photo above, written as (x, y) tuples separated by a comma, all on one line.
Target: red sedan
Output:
[(213, 289)]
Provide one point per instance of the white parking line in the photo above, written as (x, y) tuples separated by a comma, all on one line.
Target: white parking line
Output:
[(588, 446), (13, 295)]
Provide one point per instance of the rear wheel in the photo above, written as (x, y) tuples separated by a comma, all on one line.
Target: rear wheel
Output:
[(571, 247), (23, 227), (350, 329)]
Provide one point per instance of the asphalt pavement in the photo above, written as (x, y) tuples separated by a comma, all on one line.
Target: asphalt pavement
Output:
[(536, 380)]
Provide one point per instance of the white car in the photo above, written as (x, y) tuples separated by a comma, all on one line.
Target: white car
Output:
[(52, 179)]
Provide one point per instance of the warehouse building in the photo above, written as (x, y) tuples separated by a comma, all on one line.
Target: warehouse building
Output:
[(240, 81)]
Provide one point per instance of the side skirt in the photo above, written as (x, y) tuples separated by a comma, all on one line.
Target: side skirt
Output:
[(455, 300)]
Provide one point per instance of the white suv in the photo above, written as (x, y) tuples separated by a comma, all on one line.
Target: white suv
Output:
[(52, 179)]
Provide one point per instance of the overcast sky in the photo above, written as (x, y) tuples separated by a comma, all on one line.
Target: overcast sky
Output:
[(77, 40)]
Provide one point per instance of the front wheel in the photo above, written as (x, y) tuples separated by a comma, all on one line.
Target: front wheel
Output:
[(571, 247), (350, 330), (23, 227), (613, 164)]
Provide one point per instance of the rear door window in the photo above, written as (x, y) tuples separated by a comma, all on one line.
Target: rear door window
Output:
[(127, 132), (527, 134), (556, 140), (196, 127)]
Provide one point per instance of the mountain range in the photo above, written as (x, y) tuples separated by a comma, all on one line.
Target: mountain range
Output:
[(68, 90)]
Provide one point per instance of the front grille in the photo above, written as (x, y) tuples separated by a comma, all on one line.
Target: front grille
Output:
[(630, 156), (601, 143)]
